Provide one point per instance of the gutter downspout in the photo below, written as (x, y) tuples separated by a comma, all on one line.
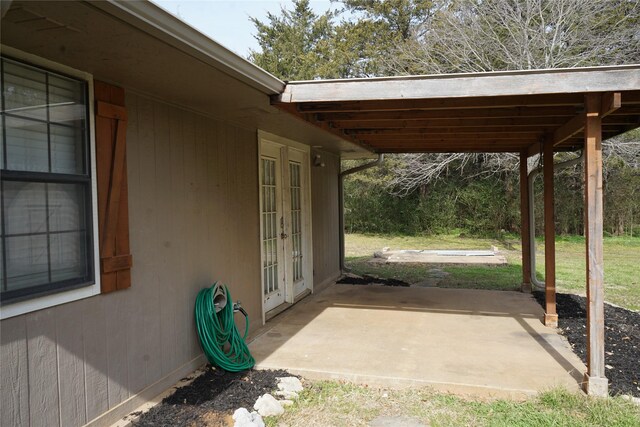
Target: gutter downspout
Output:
[(532, 228), (360, 168)]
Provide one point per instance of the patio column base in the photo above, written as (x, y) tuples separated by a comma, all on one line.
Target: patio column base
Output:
[(595, 386), (551, 320), (525, 288)]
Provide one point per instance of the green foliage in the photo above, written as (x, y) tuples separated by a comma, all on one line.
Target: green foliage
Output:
[(486, 205), (398, 17), (481, 206), (295, 45), (299, 44), (622, 199)]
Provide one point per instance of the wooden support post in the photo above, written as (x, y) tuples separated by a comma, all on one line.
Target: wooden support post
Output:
[(550, 315), (595, 381), (525, 223)]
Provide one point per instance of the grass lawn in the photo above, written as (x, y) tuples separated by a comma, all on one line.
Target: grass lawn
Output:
[(332, 403), (621, 257)]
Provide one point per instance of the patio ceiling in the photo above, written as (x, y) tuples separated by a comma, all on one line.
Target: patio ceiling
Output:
[(484, 112)]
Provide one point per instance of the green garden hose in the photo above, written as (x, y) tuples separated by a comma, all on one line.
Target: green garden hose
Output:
[(219, 337)]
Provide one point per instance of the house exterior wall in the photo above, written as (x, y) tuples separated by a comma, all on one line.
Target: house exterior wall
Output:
[(324, 201), (194, 219), (193, 206)]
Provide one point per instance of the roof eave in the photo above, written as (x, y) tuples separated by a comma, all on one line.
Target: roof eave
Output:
[(542, 82), (159, 23)]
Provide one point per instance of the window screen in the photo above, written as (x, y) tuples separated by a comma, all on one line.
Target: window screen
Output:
[(46, 234)]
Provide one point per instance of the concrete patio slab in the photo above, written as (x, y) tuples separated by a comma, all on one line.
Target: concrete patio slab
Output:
[(489, 343)]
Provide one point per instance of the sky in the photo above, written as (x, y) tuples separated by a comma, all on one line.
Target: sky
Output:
[(227, 21)]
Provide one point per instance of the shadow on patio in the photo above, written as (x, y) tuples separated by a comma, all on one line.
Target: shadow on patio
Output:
[(489, 343)]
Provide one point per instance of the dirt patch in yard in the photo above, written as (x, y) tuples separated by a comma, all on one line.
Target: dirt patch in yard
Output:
[(211, 398), (622, 339)]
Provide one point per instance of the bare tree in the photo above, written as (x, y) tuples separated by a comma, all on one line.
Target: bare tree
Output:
[(473, 36), (418, 170), (490, 35)]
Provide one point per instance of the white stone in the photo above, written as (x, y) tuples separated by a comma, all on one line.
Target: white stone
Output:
[(632, 399), (244, 418), (286, 402), (287, 394), (268, 406), (289, 384)]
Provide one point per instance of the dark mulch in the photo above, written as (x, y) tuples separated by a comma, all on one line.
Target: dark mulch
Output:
[(215, 392), (622, 339), (371, 280)]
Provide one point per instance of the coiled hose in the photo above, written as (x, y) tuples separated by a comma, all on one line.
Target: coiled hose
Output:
[(219, 337)]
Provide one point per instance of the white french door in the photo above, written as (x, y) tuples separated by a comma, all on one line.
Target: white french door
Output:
[(285, 223)]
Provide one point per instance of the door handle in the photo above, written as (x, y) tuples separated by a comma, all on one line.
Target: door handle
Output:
[(283, 235)]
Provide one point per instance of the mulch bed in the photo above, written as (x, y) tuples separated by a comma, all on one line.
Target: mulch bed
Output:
[(371, 280), (211, 398), (622, 339)]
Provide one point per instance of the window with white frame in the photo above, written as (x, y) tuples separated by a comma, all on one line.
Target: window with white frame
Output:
[(46, 222)]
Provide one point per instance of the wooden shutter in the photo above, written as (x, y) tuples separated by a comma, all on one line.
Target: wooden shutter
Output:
[(113, 205)]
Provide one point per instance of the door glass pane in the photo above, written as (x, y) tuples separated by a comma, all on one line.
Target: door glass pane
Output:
[(269, 225), (296, 220)]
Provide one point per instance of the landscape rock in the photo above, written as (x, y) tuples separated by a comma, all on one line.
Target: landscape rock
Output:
[(290, 384), (243, 418), (632, 399), (268, 406), (287, 394), (286, 402)]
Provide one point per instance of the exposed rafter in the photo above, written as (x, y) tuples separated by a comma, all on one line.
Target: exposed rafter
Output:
[(488, 112)]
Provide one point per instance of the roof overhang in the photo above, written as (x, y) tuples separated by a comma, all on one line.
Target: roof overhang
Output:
[(147, 51), (481, 112)]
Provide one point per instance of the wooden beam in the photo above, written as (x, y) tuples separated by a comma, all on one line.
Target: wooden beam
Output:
[(569, 129), (525, 223), (291, 109), (483, 113), (547, 82), (610, 102), (595, 380), (463, 146), (481, 131), (535, 148), (550, 315), (529, 136), (452, 121), (430, 149), (557, 100), (627, 109), (538, 124), (466, 146)]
